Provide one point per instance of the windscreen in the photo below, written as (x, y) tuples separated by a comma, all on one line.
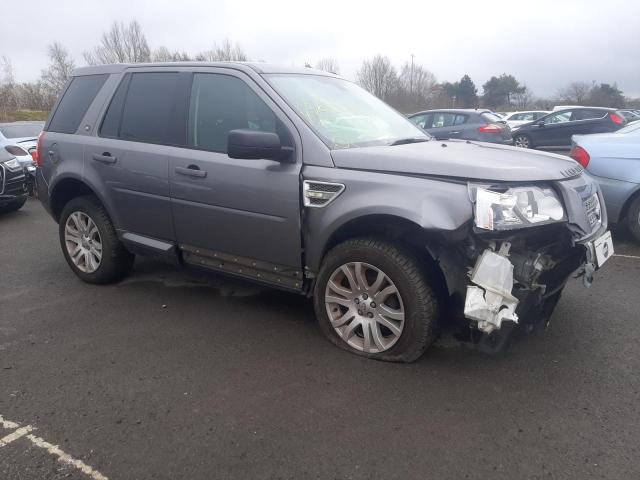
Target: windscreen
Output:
[(341, 113)]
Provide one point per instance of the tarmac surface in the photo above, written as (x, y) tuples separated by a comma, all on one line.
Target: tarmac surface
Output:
[(177, 374)]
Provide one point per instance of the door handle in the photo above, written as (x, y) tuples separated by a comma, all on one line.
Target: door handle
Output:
[(104, 158), (191, 171)]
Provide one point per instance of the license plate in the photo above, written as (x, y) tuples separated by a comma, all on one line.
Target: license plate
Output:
[(603, 247)]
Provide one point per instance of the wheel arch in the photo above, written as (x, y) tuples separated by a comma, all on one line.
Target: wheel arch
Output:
[(68, 188), (624, 211), (397, 229)]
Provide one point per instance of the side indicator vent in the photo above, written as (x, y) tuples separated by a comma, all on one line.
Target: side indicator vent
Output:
[(320, 194)]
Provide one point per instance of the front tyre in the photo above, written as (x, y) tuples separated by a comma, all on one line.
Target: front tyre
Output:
[(373, 299), (633, 218), (522, 141), (90, 244)]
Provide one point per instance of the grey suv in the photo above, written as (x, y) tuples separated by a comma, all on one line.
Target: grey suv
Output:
[(302, 180)]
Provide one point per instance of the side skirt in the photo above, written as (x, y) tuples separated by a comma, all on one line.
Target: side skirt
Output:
[(264, 272)]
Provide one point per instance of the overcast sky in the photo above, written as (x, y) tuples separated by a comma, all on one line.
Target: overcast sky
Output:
[(545, 44)]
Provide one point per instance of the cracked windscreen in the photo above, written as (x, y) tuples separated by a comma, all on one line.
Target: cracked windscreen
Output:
[(343, 114)]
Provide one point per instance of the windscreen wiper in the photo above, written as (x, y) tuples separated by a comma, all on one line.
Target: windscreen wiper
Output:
[(404, 141)]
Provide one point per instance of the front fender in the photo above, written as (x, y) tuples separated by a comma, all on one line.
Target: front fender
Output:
[(431, 204)]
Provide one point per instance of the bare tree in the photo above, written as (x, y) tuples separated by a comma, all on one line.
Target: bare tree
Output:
[(328, 65), (121, 44), (378, 76), (8, 98), (163, 54), (227, 52), (576, 93), (56, 75), (31, 96)]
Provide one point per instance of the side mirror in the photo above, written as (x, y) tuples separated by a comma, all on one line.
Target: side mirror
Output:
[(254, 145), (540, 123)]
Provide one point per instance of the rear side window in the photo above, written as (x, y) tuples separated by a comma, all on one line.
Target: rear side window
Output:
[(460, 119), (75, 103), (586, 114), (146, 107), (149, 108), (443, 120)]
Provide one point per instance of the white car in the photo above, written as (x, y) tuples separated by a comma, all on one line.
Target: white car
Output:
[(20, 140), (515, 119)]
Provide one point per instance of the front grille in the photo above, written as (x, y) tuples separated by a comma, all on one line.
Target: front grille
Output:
[(593, 210), (1, 179)]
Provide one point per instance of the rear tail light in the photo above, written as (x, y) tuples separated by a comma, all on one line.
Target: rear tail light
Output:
[(580, 155), (37, 154), (16, 150), (615, 118), (491, 128)]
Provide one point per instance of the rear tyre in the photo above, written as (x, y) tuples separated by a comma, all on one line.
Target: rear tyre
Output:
[(522, 141), (633, 218), (372, 298), (13, 206), (90, 244)]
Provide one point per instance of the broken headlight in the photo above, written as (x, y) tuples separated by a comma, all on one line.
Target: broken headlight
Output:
[(517, 207)]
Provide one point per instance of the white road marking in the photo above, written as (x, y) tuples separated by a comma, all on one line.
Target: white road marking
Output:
[(19, 432), (626, 256), (66, 458)]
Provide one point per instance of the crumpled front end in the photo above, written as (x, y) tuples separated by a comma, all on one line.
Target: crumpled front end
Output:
[(516, 277)]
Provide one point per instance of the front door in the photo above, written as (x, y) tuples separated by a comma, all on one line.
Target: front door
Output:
[(228, 210)]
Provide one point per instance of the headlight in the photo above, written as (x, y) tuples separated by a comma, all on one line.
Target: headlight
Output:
[(12, 165), (515, 207)]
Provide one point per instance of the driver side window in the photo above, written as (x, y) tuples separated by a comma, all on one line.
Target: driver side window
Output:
[(221, 103)]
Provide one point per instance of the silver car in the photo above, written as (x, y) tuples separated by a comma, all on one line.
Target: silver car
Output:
[(614, 160)]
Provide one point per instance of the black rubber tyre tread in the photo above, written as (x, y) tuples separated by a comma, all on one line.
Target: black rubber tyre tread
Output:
[(404, 268), (14, 206), (116, 260), (632, 220)]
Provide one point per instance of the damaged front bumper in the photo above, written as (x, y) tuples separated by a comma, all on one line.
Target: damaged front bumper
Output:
[(521, 282), (517, 276)]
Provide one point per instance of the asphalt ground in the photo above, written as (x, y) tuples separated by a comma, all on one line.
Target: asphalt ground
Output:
[(174, 374)]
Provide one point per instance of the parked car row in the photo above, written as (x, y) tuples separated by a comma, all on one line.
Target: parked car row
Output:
[(19, 139), (613, 159), (13, 184), (532, 129)]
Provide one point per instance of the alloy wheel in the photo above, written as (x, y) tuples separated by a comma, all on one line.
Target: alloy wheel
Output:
[(364, 307), (82, 241), (522, 142)]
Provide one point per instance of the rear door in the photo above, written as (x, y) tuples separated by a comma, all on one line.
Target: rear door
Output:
[(130, 155), (245, 211), (442, 125), (555, 131), (587, 120)]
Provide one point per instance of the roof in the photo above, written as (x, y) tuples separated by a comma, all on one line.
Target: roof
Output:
[(258, 67), (454, 110)]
